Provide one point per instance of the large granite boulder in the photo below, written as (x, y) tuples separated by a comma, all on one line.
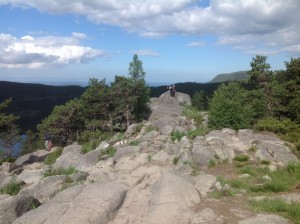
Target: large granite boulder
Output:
[(93, 203), (12, 207)]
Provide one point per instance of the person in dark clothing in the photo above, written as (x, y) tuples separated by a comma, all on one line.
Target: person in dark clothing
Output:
[(172, 90)]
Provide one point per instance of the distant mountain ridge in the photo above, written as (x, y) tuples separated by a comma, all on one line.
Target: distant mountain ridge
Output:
[(234, 76)]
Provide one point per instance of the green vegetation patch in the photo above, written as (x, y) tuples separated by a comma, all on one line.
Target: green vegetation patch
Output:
[(51, 158), (175, 160), (60, 171), (281, 180), (134, 143), (275, 125), (241, 158), (177, 135), (138, 128), (198, 132), (110, 151), (11, 188), (278, 206), (192, 113), (89, 146)]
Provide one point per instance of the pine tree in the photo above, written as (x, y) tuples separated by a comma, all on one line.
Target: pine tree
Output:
[(136, 68), (9, 130)]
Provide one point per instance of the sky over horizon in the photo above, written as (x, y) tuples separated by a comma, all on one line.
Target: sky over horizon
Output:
[(177, 41)]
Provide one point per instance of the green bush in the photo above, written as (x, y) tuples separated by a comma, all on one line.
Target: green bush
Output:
[(211, 163), (265, 162), (192, 113), (175, 160), (177, 135), (60, 171), (229, 108), (271, 124), (199, 100), (8, 159), (149, 128), (97, 135), (51, 158), (252, 149), (89, 146), (11, 188), (110, 151), (199, 132), (282, 180), (134, 143)]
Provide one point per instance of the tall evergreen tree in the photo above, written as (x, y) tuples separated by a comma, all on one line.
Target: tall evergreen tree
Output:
[(292, 86), (199, 100), (63, 122), (9, 130), (261, 76), (136, 68), (260, 73), (96, 104)]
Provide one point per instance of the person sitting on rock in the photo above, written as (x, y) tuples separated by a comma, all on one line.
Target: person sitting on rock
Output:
[(172, 90)]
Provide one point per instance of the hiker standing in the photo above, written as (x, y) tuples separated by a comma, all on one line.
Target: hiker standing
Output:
[(48, 142)]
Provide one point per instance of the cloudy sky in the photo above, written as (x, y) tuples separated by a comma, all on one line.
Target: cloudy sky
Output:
[(177, 40)]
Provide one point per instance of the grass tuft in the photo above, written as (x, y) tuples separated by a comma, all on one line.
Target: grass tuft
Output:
[(60, 171), (278, 206), (51, 158), (11, 188), (241, 158), (110, 151), (177, 135)]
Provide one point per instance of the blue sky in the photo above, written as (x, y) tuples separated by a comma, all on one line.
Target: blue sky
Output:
[(177, 41)]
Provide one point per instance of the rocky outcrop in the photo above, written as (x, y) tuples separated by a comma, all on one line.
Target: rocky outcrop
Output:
[(150, 179), (72, 157), (12, 207), (93, 203)]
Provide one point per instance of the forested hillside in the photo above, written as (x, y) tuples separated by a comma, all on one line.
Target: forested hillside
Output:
[(234, 76), (33, 102)]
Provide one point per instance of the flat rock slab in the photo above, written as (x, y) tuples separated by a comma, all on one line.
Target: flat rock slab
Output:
[(265, 219), (93, 204), (159, 196), (12, 207)]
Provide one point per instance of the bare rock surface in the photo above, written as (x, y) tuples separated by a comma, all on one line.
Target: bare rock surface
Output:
[(151, 179), (93, 203), (12, 207)]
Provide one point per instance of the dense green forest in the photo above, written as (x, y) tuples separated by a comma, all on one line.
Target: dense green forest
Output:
[(33, 102), (268, 100)]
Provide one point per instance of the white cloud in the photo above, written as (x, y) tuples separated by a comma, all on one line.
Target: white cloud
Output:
[(293, 50), (46, 51), (262, 52), (80, 36), (146, 52), (235, 22), (197, 44)]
